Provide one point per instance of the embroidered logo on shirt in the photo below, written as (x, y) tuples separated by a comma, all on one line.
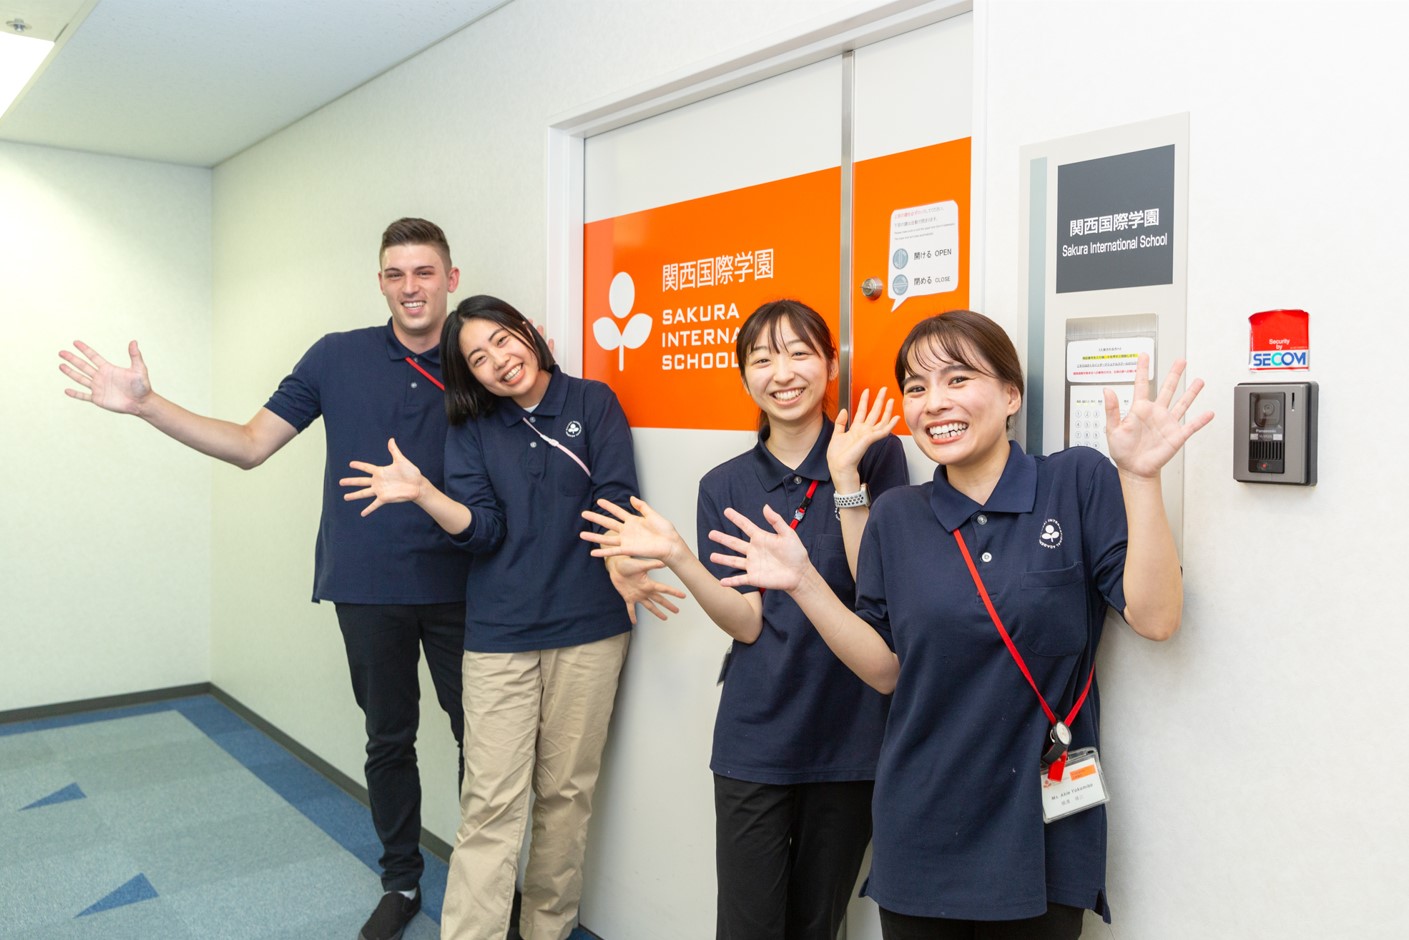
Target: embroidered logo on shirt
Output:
[(573, 429), (1051, 535)]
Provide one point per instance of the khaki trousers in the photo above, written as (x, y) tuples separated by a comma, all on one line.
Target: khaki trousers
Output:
[(539, 718)]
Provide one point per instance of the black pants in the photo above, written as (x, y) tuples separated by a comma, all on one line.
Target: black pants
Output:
[(787, 856), (384, 645), (1059, 923)]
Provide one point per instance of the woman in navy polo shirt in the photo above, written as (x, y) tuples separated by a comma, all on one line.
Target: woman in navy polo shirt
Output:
[(546, 632), (797, 734), (960, 845)]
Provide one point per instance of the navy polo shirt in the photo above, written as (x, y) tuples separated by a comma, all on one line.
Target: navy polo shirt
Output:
[(790, 711), (366, 393), (958, 829), (534, 582)]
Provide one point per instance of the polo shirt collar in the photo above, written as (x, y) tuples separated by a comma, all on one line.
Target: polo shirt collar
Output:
[(550, 407), (773, 473), (1016, 491), (396, 350)]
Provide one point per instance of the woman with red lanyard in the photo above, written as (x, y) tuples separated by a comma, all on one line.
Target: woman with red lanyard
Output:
[(797, 734), (980, 601), (546, 633)]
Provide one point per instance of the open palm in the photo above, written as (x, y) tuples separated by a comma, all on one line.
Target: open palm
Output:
[(850, 441), (1152, 432), (106, 385), (773, 560), (647, 535), (398, 482)]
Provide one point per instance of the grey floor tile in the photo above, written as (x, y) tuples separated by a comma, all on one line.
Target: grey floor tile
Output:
[(146, 920), (21, 751), (279, 899), (172, 805), (124, 734), (21, 786), (244, 845), (49, 831), (114, 771), (55, 890)]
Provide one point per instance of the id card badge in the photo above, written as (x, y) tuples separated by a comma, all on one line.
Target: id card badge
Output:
[(1082, 786)]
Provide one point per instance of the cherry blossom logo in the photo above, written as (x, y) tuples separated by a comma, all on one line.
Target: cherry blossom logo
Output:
[(636, 331)]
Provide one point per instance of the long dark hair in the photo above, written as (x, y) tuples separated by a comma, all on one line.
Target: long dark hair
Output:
[(961, 336), (465, 397), (768, 321)]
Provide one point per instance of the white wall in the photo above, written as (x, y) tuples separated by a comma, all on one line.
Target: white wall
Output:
[(1256, 759), (105, 543)]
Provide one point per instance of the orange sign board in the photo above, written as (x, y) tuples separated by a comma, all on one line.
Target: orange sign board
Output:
[(910, 229), (665, 291)]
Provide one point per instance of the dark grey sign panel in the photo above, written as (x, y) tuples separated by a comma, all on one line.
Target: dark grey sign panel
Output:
[(1115, 221)]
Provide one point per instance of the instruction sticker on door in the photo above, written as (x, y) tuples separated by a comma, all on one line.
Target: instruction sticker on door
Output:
[(924, 251), (1109, 360)]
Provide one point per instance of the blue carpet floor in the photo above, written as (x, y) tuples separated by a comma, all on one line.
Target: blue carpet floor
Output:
[(179, 819)]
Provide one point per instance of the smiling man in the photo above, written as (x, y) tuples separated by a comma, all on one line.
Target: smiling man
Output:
[(397, 582)]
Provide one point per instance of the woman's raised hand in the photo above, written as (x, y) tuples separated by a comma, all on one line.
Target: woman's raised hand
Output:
[(398, 482), (849, 444), (1152, 432)]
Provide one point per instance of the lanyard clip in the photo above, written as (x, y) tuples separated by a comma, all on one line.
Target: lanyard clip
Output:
[(1058, 741)]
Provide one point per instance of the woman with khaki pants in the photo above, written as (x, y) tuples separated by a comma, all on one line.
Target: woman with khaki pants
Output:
[(546, 631)]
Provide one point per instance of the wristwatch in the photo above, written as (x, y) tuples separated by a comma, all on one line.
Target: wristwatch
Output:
[(857, 500)]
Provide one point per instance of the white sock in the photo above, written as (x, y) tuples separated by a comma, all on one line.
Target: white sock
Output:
[(408, 895)]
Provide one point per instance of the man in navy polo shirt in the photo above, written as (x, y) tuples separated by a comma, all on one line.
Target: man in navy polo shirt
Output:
[(396, 580)]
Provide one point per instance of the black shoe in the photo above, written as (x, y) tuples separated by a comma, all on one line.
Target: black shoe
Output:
[(394, 911)]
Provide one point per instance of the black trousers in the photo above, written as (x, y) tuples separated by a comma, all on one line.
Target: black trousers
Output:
[(787, 856), (384, 643), (1059, 923)]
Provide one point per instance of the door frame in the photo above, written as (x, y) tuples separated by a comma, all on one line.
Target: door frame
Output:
[(809, 42)]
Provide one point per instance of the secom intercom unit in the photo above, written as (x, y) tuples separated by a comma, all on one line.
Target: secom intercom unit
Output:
[(1274, 433)]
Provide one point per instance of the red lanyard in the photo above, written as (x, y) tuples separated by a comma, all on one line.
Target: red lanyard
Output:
[(1059, 762), (801, 510), (415, 365), (798, 513)]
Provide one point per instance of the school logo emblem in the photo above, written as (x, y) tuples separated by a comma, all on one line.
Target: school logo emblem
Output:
[(633, 335), (573, 429), (1051, 535)]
